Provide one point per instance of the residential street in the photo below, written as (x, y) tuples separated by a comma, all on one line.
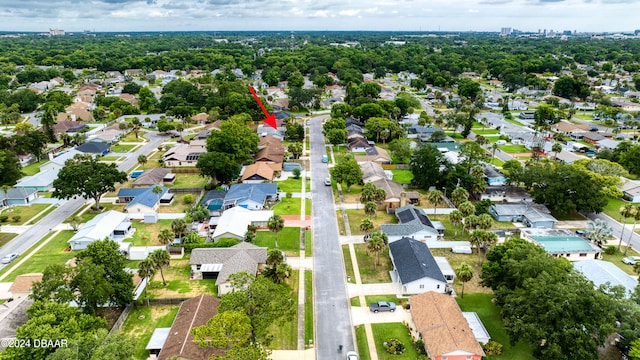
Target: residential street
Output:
[(332, 308), (33, 234)]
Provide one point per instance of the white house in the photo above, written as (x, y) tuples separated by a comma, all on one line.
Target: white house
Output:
[(111, 224), (415, 269), (234, 222), (414, 223)]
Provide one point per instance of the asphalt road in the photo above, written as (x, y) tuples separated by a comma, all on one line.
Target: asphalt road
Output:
[(332, 308), (24, 241)]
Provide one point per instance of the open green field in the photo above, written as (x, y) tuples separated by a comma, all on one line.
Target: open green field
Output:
[(489, 313), (183, 181), (54, 252), (141, 322), (514, 149), (33, 168), (24, 212), (402, 176), (288, 240), (147, 234), (384, 331), (122, 148)]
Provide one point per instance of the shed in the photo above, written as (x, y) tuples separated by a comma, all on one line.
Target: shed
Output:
[(158, 338)]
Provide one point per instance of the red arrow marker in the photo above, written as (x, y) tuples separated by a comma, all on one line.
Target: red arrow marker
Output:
[(270, 119)]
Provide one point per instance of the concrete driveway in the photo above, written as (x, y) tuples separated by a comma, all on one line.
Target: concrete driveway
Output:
[(362, 315)]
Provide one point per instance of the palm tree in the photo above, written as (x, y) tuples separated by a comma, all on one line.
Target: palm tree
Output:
[(464, 273), (435, 197), (166, 236), (636, 217), (146, 270), (274, 257), (459, 195), (179, 227), (598, 231), (376, 246), (467, 208), (370, 209), (281, 273), (142, 159), (626, 211), (494, 147), (158, 190), (275, 224), (455, 217), (485, 221), (160, 259), (476, 238), (366, 225), (556, 148)]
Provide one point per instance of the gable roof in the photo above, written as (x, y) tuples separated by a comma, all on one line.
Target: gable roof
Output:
[(413, 261), (240, 257), (410, 221), (17, 193), (443, 327), (151, 177), (602, 272), (271, 152), (255, 192), (236, 220), (192, 313), (375, 153), (261, 169), (23, 283), (95, 146), (43, 178), (100, 226), (146, 197), (371, 171)]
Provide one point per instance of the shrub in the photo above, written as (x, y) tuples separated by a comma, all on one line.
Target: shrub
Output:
[(187, 199), (419, 345), (296, 173), (394, 346), (492, 348), (4, 218), (16, 218), (610, 250)]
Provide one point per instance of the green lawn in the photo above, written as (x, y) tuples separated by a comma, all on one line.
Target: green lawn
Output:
[(41, 215), (288, 240), (402, 176), (293, 185), (6, 237), (188, 181), (308, 244), (308, 306), (86, 216), (24, 212), (33, 168), (120, 148), (570, 216), (348, 265), (388, 298), (52, 253), (288, 206), (616, 258), (515, 122), (147, 234), (285, 333), (489, 313), (141, 322), (110, 158), (497, 162), (486, 131), (514, 149), (363, 345), (356, 216), (384, 331), (613, 208), (366, 262)]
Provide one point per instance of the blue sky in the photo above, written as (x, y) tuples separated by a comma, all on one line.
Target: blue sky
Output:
[(399, 15)]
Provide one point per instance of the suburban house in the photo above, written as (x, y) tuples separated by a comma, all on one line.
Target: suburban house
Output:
[(270, 149), (184, 154), (413, 223), (111, 135), (266, 130), (200, 118), (395, 195), (260, 172), (64, 126), (531, 214), (42, 181), (493, 176), (156, 176), (569, 128), (567, 157), (415, 269), (234, 222), (592, 137), (220, 263), (143, 200), (562, 243), (17, 196), (443, 328), (21, 286), (58, 162), (605, 272), (358, 144), (177, 342), (374, 154), (96, 147), (631, 191), (111, 224), (250, 196)]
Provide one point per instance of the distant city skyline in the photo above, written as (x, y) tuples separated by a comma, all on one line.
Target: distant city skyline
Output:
[(382, 15)]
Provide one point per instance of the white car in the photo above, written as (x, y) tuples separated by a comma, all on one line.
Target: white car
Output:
[(9, 258), (352, 355), (327, 181), (631, 260)]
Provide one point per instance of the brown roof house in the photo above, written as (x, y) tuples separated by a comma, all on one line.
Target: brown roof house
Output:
[(131, 99), (184, 155), (22, 285), (270, 150), (200, 118), (157, 176), (443, 328), (220, 263), (179, 343), (395, 195), (260, 172)]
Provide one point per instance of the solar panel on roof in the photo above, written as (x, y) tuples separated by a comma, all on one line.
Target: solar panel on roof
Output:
[(405, 216)]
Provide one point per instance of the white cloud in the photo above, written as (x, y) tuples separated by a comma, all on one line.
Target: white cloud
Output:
[(352, 12)]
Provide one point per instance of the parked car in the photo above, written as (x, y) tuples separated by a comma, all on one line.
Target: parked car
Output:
[(631, 260), (9, 258), (352, 355), (580, 232), (382, 306), (325, 159), (327, 181)]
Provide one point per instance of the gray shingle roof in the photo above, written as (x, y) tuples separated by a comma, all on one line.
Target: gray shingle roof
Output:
[(240, 257), (413, 260), (410, 221)]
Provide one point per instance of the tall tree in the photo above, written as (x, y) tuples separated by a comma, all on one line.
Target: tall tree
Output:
[(464, 273), (10, 168), (97, 346), (435, 198), (142, 160), (220, 166), (376, 246), (626, 211), (347, 171), (276, 224), (87, 178), (226, 330), (455, 217), (425, 166), (235, 139), (458, 196), (160, 259), (370, 209), (179, 227), (146, 270), (366, 225), (598, 231)]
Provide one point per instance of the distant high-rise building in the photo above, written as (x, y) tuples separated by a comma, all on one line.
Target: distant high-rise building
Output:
[(567, 32), (505, 31), (56, 32)]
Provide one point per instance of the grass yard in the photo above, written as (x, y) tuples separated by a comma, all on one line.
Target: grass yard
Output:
[(366, 265), (486, 131), (288, 240), (41, 215), (141, 322), (489, 313), (388, 298), (6, 237), (472, 286), (52, 253), (188, 181), (285, 332), (33, 168), (293, 185), (86, 216), (613, 209), (178, 205), (515, 122), (353, 196), (286, 206), (363, 345), (616, 258), (178, 284), (308, 307), (356, 217), (402, 176), (497, 162), (122, 148), (308, 244), (513, 149), (147, 234), (106, 206), (110, 158), (340, 219), (131, 137), (384, 331), (24, 212), (348, 265)]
